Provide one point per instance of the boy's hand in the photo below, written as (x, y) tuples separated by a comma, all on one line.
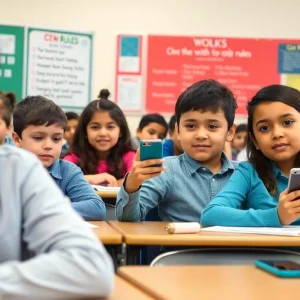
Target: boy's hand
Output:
[(288, 207), (102, 178), (141, 171)]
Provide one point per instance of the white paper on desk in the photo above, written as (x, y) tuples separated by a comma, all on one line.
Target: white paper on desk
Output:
[(285, 230), (103, 188), (90, 225)]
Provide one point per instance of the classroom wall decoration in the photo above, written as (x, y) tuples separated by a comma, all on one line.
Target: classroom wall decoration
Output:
[(128, 85), (57, 64), (243, 64), (12, 59)]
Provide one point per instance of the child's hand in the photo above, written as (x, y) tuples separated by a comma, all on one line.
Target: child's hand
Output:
[(141, 171), (288, 207), (102, 178)]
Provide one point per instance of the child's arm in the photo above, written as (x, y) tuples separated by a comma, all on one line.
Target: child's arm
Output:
[(83, 197), (226, 208), (110, 180), (141, 191), (70, 260)]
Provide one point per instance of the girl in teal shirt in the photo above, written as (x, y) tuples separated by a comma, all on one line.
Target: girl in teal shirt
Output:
[(256, 194)]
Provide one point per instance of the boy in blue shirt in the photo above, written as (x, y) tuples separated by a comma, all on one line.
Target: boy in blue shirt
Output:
[(39, 126), (185, 184)]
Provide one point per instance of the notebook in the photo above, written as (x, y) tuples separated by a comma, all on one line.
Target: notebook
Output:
[(284, 231)]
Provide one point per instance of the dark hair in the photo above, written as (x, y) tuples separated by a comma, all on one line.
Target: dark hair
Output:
[(37, 110), (262, 164), (207, 95), (152, 118), (9, 102), (88, 158), (104, 94), (72, 115), (241, 128), (172, 123)]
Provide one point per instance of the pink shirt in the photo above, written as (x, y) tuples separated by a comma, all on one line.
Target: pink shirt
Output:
[(102, 166)]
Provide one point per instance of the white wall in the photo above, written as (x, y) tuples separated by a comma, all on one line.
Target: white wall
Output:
[(107, 18)]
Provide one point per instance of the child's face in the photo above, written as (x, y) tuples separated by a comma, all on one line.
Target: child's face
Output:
[(69, 133), (151, 132), (176, 141), (44, 141), (103, 132), (276, 128), (4, 130), (239, 140), (203, 135)]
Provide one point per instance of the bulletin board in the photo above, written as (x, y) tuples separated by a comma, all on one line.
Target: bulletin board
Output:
[(12, 59), (56, 64), (243, 64)]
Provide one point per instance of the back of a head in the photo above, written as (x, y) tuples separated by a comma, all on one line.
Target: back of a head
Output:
[(172, 123), (8, 104), (152, 118), (104, 94), (207, 95), (37, 110), (9, 100)]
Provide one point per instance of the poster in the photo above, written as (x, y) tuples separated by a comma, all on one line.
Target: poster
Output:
[(12, 59), (129, 73), (59, 66), (243, 64)]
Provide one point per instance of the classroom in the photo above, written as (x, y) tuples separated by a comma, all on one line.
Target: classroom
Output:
[(149, 149)]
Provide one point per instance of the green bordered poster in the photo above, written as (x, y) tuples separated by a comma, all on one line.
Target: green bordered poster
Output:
[(12, 59), (59, 66)]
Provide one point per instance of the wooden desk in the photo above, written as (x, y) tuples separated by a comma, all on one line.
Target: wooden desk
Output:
[(107, 194), (153, 233), (126, 291), (106, 234), (211, 282)]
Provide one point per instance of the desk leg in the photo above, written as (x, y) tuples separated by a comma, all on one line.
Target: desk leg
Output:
[(122, 256), (133, 255)]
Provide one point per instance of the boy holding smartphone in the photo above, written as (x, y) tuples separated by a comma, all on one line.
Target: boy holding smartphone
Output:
[(185, 184)]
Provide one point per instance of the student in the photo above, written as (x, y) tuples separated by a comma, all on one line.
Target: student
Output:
[(47, 251), (72, 118), (152, 126), (172, 146), (39, 126), (259, 186), (239, 140), (101, 146), (9, 100), (186, 183)]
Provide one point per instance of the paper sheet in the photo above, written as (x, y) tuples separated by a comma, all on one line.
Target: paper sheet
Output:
[(285, 231), (106, 188)]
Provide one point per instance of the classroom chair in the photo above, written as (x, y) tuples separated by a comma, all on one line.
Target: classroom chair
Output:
[(223, 256)]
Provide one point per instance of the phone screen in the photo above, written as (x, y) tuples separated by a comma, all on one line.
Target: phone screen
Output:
[(282, 264)]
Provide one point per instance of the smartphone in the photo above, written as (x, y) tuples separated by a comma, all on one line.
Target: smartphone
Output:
[(151, 149), (294, 180), (280, 268)]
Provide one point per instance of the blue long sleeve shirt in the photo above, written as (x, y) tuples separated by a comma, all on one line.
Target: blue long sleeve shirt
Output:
[(245, 201), (83, 197), (181, 192)]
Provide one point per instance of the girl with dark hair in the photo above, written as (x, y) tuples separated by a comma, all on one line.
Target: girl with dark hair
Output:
[(101, 145), (256, 194)]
